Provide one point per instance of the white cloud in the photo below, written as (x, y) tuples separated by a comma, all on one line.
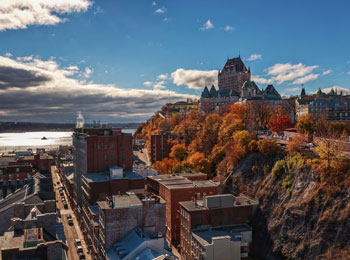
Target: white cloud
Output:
[(7, 54), (208, 25), (154, 3), (162, 76), (348, 62), (289, 72), (261, 80), (20, 14), (327, 72), (229, 28), (87, 72), (148, 83), (167, 19), (255, 57), (61, 96), (160, 10), (348, 73), (305, 79), (286, 72), (292, 89), (194, 79), (159, 85)]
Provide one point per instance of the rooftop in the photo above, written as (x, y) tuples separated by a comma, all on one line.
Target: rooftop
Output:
[(172, 181), (139, 245), (238, 201), (105, 176), (126, 201), (205, 236)]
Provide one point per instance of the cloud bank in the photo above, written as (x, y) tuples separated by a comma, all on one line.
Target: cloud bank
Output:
[(19, 14), (32, 89)]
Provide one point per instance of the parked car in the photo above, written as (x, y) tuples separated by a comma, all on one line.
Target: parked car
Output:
[(77, 242), (79, 249)]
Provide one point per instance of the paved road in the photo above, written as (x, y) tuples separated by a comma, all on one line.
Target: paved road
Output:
[(143, 156), (71, 232)]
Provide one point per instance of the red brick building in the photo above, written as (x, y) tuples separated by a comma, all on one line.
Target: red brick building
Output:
[(159, 147), (217, 210), (41, 162), (16, 172), (95, 150), (174, 189)]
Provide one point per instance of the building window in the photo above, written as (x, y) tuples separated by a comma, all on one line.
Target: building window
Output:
[(112, 146), (112, 157), (123, 156), (106, 146), (106, 157), (1, 171), (98, 146), (17, 169)]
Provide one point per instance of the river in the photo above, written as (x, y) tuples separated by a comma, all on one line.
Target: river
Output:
[(33, 140)]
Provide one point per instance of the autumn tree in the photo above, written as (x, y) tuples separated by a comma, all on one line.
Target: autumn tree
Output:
[(231, 123), (280, 123), (259, 115), (165, 166), (178, 152), (306, 124), (207, 136), (199, 162), (239, 146)]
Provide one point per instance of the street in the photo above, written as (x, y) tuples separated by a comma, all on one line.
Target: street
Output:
[(72, 232)]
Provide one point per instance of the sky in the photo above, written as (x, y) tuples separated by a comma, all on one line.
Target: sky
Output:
[(122, 60)]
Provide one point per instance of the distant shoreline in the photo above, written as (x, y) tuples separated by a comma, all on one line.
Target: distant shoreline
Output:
[(22, 127)]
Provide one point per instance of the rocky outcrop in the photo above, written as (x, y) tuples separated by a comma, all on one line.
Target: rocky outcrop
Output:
[(296, 219)]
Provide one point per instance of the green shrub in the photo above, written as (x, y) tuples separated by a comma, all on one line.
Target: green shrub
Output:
[(279, 168)]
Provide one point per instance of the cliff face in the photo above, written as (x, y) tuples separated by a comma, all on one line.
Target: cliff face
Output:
[(298, 217)]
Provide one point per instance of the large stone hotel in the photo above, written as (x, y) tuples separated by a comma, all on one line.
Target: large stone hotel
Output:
[(235, 85)]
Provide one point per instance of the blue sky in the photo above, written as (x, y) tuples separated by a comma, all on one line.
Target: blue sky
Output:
[(119, 61)]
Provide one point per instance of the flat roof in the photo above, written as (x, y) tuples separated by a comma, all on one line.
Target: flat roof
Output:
[(205, 236), (172, 181), (104, 176), (190, 184), (198, 205), (126, 201)]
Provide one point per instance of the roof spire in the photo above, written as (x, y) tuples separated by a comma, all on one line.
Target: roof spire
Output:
[(239, 54)]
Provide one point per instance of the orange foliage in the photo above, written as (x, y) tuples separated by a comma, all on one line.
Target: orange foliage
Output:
[(199, 162), (165, 166), (239, 147), (280, 123), (178, 152)]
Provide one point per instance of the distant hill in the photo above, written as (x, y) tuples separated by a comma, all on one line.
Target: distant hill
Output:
[(31, 127)]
